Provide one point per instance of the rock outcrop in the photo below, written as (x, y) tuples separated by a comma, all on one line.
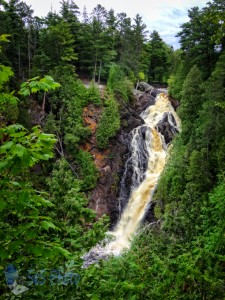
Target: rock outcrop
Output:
[(104, 198), (110, 162), (165, 128), (145, 96)]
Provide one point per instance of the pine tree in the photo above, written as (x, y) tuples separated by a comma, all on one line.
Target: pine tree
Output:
[(56, 47), (195, 39), (159, 62), (139, 38), (17, 19), (191, 101)]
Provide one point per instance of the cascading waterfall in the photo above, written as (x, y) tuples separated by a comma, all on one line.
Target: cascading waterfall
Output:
[(147, 144), (136, 164)]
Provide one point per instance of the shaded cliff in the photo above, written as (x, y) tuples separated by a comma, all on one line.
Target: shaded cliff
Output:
[(110, 162), (114, 186)]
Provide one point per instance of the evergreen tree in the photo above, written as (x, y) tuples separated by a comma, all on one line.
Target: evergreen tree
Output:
[(178, 76), (17, 19), (195, 39), (124, 43), (214, 13), (211, 124), (191, 101), (56, 47), (159, 62), (139, 38), (70, 14)]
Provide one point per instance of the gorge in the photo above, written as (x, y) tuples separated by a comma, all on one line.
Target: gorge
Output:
[(93, 184), (149, 144)]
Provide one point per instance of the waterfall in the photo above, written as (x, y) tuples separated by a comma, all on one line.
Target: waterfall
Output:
[(136, 164), (148, 157)]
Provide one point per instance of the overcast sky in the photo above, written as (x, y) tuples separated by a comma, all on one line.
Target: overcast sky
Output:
[(165, 16)]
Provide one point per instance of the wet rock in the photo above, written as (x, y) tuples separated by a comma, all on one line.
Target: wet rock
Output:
[(97, 253), (174, 102), (167, 127), (135, 166), (145, 95), (149, 216), (144, 87)]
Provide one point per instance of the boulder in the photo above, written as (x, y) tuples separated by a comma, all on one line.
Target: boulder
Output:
[(144, 87), (145, 96), (167, 127)]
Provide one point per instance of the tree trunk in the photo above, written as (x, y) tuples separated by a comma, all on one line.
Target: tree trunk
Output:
[(43, 103), (137, 85), (95, 69), (19, 61), (99, 73), (29, 55)]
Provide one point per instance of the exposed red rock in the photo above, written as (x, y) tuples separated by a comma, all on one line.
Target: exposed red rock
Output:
[(110, 162)]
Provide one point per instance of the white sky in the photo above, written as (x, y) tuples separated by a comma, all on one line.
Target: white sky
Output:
[(165, 16)]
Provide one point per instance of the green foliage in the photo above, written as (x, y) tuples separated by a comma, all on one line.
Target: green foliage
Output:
[(214, 225), (119, 84), (20, 145), (24, 220), (8, 102), (67, 107), (191, 101), (130, 44), (36, 84), (88, 171), (4, 38), (172, 183), (72, 215), (196, 40), (183, 256), (160, 59), (141, 76), (94, 94), (109, 123), (214, 13), (176, 81), (14, 16), (6, 73), (29, 235), (57, 47), (190, 194)]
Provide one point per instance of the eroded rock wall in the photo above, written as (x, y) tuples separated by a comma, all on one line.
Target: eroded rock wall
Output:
[(111, 162)]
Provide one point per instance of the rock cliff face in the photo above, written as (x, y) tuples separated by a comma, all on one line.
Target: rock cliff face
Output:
[(111, 162)]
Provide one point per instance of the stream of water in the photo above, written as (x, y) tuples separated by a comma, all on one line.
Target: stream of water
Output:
[(146, 142)]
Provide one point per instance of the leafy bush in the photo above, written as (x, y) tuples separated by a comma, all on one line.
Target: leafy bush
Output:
[(87, 170), (8, 102), (94, 94), (119, 84), (109, 123), (176, 81), (71, 213), (24, 220)]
